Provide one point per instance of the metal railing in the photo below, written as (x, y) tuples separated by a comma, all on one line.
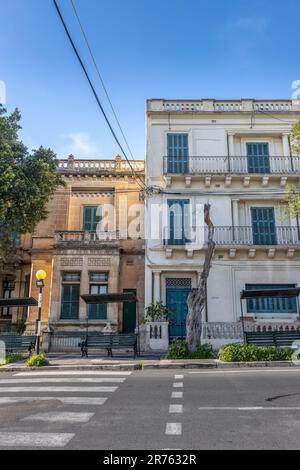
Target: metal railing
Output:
[(242, 236), (231, 165)]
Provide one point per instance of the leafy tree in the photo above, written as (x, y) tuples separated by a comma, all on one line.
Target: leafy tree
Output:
[(27, 181), (292, 198), (295, 138)]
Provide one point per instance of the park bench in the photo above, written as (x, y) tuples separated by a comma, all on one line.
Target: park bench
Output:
[(108, 342), (280, 339), (18, 343)]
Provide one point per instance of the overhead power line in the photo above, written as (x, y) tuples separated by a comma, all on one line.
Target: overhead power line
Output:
[(95, 93), (100, 77)]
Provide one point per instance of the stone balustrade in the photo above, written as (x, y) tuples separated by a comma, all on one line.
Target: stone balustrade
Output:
[(212, 105), (234, 330)]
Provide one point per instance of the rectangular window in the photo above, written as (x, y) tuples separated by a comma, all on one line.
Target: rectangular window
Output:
[(92, 216), (270, 305), (258, 157), (70, 295), (178, 221), (98, 285), (263, 225), (177, 153)]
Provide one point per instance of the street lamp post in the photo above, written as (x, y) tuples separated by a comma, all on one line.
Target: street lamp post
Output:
[(40, 277)]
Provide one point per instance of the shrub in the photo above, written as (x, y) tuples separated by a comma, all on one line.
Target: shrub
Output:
[(249, 352), (37, 360), (14, 357), (179, 350)]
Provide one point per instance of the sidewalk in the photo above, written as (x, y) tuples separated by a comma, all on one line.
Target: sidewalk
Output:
[(145, 361)]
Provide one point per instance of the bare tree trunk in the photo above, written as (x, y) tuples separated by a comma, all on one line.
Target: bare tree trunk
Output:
[(197, 297)]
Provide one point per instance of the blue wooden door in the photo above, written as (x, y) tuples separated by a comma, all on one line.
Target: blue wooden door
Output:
[(263, 226), (176, 299), (178, 153), (258, 157)]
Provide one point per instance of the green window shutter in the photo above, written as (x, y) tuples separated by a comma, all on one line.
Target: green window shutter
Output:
[(91, 217), (98, 311), (177, 153), (263, 225), (271, 305), (258, 157), (70, 301), (179, 221)]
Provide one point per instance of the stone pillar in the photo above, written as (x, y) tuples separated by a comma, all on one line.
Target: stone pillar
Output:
[(235, 217), (231, 144), (286, 144), (156, 286)]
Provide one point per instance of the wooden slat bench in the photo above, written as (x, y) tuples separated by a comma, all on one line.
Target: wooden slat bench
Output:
[(272, 338), (18, 343), (108, 342)]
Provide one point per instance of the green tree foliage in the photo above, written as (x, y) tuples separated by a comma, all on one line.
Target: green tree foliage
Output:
[(292, 192), (27, 182), (295, 138)]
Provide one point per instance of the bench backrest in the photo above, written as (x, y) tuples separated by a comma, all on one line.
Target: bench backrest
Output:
[(272, 338), (14, 341)]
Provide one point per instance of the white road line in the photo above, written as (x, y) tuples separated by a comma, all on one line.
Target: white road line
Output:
[(248, 408), (71, 372), (177, 395), (66, 400), (63, 379), (174, 429), (57, 389), (179, 376), (34, 439), (178, 384), (248, 371), (60, 417), (176, 409)]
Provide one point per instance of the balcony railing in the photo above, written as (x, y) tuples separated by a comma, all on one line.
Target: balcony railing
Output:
[(79, 236), (196, 165), (212, 105), (286, 236), (242, 236)]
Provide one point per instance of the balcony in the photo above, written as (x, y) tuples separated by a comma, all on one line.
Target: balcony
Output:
[(223, 165), (240, 238), (244, 236), (85, 239)]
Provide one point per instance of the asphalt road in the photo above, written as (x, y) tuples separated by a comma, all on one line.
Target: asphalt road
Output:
[(152, 410)]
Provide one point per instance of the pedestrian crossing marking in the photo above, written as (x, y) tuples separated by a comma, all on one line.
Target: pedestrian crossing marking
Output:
[(70, 372), (66, 400), (58, 389), (63, 379), (34, 439), (60, 417)]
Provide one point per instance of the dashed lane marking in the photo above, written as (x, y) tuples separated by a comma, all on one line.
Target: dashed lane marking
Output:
[(174, 429)]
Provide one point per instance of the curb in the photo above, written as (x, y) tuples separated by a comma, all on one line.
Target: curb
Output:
[(216, 364)]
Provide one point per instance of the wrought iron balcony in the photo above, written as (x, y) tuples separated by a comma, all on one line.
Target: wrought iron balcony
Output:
[(197, 165), (244, 235), (241, 236)]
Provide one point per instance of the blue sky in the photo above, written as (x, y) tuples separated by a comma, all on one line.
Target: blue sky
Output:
[(145, 49)]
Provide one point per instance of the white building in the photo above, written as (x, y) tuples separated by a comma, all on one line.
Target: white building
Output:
[(236, 155)]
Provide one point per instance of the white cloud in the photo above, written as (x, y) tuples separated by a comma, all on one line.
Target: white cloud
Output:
[(81, 144)]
